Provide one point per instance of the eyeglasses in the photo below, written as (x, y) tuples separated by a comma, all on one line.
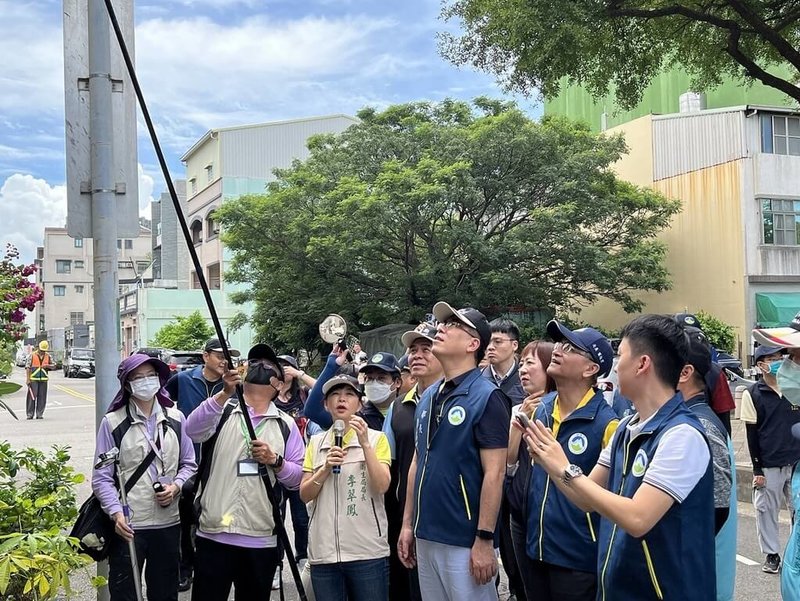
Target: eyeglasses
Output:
[(500, 341), (568, 348), (447, 325), (142, 376)]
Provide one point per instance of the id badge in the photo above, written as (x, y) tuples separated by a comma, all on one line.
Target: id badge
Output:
[(247, 467)]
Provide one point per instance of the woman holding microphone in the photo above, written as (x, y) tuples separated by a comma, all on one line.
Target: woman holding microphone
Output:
[(346, 473)]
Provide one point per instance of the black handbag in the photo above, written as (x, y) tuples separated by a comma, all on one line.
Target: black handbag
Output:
[(93, 528)]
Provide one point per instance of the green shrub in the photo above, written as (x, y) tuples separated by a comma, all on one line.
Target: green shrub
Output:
[(719, 333), (37, 504)]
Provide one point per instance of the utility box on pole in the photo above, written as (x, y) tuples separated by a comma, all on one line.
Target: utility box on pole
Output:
[(77, 112)]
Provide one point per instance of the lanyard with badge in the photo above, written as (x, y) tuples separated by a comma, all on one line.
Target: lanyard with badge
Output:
[(249, 466), (156, 442)]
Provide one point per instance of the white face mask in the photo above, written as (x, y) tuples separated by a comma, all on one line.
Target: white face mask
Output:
[(377, 392), (145, 389)]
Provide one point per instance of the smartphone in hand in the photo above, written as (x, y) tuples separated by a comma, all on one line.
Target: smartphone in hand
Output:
[(522, 419)]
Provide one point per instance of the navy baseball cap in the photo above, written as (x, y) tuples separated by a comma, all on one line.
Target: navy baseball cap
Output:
[(424, 330), (469, 317), (289, 360), (763, 351), (214, 344), (687, 320), (588, 340), (384, 361), (699, 355), (341, 380)]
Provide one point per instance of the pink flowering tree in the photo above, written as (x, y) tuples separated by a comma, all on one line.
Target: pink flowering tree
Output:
[(18, 295)]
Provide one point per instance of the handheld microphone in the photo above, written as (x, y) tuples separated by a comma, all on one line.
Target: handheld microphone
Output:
[(338, 437)]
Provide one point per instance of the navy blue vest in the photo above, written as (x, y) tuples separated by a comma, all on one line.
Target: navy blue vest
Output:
[(558, 532), (447, 487), (675, 560)]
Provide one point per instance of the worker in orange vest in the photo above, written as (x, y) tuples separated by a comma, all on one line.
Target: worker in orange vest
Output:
[(36, 376)]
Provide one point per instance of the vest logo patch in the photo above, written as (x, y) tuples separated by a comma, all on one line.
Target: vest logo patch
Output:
[(578, 443), (456, 415), (639, 464)]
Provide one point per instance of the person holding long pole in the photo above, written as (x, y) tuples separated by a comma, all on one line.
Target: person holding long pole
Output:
[(148, 431)]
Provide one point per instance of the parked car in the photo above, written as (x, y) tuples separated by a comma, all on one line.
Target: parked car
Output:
[(181, 360), (78, 362)]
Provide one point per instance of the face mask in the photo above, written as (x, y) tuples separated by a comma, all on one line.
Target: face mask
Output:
[(261, 374), (774, 367), (789, 380), (377, 392), (145, 389)]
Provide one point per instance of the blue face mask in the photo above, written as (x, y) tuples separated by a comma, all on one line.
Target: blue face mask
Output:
[(789, 380), (774, 367)]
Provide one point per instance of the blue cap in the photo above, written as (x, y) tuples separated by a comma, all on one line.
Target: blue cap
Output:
[(384, 361), (763, 351), (588, 340), (402, 363)]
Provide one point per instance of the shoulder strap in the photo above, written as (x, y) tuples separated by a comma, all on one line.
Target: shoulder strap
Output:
[(285, 430), (119, 432), (139, 471), (207, 452)]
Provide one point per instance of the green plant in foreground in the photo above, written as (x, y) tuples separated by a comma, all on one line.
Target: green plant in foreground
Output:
[(37, 505)]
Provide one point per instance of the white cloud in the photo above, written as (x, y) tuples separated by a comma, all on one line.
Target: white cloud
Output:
[(146, 184), (29, 204)]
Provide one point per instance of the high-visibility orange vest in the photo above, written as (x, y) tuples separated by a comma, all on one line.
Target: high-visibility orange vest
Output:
[(38, 367)]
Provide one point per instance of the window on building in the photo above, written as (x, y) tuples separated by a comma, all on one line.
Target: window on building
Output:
[(141, 266), (195, 280), (119, 244), (197, 231), (78, 242), (210, 172), (78, 264), (193, 185), (214, 279), (79, 288), (781, 220), (59, 290), (128, 244), (75, 318), (780, 134), (63, 266), (212, 227)]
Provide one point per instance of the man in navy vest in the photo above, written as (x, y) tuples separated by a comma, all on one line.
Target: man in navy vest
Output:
[(653, 484), (458, 467), (562, 540)]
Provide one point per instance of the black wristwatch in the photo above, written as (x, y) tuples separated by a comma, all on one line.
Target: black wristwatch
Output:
[(278, 463), (485, 534)]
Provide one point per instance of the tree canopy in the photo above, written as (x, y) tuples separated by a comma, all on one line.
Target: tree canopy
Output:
[(476, 204), (186, 333), (621, 45)]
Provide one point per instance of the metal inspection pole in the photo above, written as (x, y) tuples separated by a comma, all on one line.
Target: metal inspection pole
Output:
[(104, 220)]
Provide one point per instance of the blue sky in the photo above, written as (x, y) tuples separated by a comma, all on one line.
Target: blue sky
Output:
[(214, 63)]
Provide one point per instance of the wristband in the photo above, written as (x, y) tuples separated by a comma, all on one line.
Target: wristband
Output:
[(485, 534)]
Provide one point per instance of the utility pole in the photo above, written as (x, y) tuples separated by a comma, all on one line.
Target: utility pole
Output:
[(101, 166), (104, 220)]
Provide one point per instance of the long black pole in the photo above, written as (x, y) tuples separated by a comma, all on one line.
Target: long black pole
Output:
[(280, 529)]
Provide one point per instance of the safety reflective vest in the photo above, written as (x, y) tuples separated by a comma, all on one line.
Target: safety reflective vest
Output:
[(39, 365)]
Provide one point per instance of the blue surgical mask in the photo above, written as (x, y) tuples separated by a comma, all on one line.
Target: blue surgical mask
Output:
[(789, 380), (774, 367)]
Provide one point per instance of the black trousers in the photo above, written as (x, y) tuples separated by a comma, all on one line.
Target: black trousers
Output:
[(218, 566), (187, 536), (157, 551), (519, 538), (554, 583), (508, 554)]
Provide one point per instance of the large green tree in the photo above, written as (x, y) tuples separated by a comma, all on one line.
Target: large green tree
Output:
[(620, 45), (476, 204), (186, 333)]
